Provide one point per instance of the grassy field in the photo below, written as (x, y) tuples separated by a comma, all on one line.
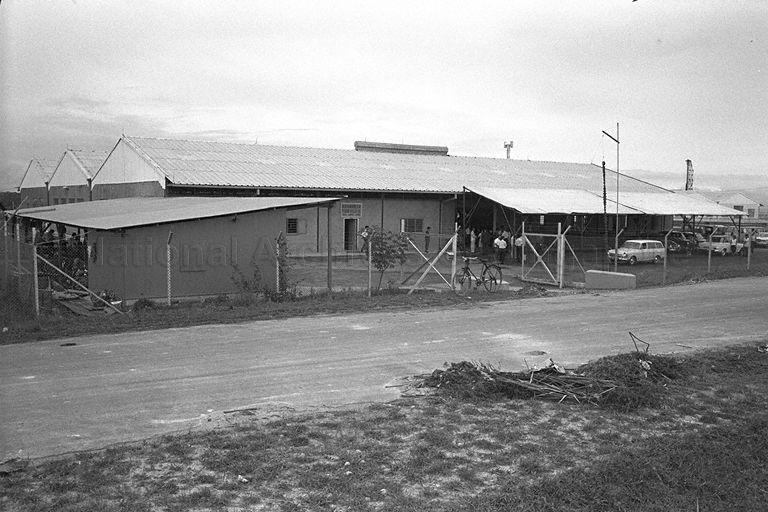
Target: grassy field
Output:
[(701, 445)]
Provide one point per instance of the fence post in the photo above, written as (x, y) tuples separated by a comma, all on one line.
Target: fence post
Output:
[(454, 246), (277, 264), (370, 263), (709, 254), (522, 251), (18, 244), (666, 255), (5, 251), (560, 273), (35, 289), (749, 248), (168, 264)]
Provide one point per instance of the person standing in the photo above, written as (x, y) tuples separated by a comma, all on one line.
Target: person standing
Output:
[(734, 241), (426, 239), (472, 240), (364, 235), (500, 245), (519, 242)]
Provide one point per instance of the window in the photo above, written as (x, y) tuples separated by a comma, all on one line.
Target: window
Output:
[(738, 207), (351, 210), (750, 212), (294, 226), (411, 225)]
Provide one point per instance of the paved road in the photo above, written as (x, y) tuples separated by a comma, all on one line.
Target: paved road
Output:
[(128, 386)]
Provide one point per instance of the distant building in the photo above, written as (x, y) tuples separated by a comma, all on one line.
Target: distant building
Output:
[(34, 184), (71, 180)]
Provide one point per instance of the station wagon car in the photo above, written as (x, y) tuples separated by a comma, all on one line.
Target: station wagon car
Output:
[(634, 251)]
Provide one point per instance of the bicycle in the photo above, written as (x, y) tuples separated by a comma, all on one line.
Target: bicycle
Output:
[(490, 277)]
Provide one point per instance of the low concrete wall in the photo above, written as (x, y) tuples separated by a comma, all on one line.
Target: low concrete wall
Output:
[(601, 280)]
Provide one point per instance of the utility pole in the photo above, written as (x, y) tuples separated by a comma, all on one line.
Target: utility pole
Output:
[(616, 242), (508, 146)]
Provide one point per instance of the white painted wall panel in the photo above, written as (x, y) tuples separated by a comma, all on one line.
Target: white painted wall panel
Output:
[(124, 165)]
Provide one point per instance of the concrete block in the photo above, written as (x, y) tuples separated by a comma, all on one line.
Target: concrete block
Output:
[(600, 280)]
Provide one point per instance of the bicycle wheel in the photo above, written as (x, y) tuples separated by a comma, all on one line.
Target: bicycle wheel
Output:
[(491, 277), (461, 282)]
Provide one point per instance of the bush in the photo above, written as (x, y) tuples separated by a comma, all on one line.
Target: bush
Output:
[(143, 303)]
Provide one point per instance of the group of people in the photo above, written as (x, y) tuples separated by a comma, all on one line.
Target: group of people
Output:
[(69, 252), (501, 243)]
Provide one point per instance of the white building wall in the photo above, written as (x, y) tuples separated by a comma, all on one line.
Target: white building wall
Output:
[(124, 165), (68, 173)]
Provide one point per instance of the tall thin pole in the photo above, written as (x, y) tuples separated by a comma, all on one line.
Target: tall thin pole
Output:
[(329, 276), (616, 243), (605, 217)]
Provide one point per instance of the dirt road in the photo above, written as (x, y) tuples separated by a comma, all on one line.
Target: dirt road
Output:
[(111, 388)]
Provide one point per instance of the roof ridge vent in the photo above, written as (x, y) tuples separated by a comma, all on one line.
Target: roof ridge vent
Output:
[(411, 149)]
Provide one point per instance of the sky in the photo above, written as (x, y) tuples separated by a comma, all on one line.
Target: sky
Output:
[(683, 79)]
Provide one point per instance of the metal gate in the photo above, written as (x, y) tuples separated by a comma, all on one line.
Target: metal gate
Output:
[(548, 252)]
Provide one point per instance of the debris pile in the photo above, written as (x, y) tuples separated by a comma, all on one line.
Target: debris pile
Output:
[(532, 290), (551, 382), (625, 381)]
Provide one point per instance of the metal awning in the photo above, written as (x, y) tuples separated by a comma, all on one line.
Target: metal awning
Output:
[(144, 211), (670, 203), (568, 201), (543, 201)]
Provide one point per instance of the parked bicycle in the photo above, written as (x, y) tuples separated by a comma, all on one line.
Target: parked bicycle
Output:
[(490, 277)]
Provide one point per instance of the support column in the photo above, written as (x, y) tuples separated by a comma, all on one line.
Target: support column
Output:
[(330, 252), (35, 285)]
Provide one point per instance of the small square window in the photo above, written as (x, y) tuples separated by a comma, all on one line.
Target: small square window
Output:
[(411, 225), (292, 226)]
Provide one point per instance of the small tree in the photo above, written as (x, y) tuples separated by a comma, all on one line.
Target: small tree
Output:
[(387, 249)]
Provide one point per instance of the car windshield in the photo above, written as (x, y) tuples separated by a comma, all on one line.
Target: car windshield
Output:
[(631, 245)]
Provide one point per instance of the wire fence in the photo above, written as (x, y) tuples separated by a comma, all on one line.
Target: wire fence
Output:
[(20, 295)]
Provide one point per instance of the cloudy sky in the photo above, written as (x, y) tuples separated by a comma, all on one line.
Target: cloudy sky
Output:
[(685, 79)]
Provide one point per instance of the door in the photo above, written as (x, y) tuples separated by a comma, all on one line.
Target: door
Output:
[(350, 234)]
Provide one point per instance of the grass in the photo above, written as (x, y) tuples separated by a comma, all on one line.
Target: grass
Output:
[(701, 446), (221, 310)]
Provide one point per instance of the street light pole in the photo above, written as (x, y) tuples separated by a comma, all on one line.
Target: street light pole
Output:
[(616, 241)]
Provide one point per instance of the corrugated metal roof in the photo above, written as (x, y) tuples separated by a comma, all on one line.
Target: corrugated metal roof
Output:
[(38, 173), (89, 161), (671, 203), (540, 201), (143, 211), (251, 165)]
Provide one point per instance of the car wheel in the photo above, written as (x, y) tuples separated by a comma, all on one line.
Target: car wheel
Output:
[(657, 259), (632, 260), (724, 252)]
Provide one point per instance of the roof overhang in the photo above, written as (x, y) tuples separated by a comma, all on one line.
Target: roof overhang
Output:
[(112, 214), (567, 201)]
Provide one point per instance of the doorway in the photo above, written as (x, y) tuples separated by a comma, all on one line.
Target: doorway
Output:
[(350, 234)]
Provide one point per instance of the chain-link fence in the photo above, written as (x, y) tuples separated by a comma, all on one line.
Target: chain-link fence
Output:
[(683, 262), (17, 279)]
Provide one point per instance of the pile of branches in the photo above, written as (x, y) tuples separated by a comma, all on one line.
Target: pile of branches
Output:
[(624, 382)]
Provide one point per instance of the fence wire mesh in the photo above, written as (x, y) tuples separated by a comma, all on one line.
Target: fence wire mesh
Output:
[(17, 268)]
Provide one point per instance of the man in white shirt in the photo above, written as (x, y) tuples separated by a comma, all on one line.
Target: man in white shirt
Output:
[(500, 245)]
